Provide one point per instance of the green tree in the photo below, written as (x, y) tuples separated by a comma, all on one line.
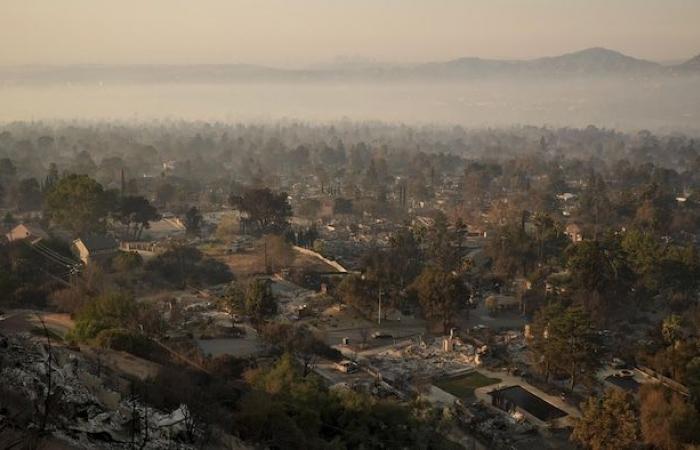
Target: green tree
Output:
[(112, 310), (564, 341), (594, 204), (576, 342), (644, 254), (135, 213), (359, 293), (78, 203), (441, 295), (549, 238), (270, 211), (545, 354), (442, 245), (608, 423), (234, 298), (260, 303)]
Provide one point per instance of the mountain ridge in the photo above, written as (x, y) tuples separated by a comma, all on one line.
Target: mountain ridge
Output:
[(593, 62)]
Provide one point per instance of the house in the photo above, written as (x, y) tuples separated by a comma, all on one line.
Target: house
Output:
[(574, 232), (96, 248), (29, 232)]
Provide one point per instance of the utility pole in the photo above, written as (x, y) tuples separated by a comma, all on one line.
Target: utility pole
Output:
[(379, 317)]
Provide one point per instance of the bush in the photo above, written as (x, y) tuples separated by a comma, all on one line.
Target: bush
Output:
[(184, 266), (30, 296), (105, 312), (135, 343), (126, 261), (121, 339)]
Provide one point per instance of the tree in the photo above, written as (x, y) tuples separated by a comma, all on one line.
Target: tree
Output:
[(359, 293), (549, 237), (113, 310), (591, 269), (667, 421), (442, 248), (546, 355), (565, 342), (671, 328), (511, 249), (594, 204), (268, 210), (234, 299), (600, 271), (279, 254), (51, 178), (608, 423), (135, 213), (193, 221), (8, 220), (692, 380), (78, 203), (165, 193), (299, 341), (260, 303), (7, 169), (441, 295), (28, 195), (644, 254), (576, 342), (227, 228), (406, 256)]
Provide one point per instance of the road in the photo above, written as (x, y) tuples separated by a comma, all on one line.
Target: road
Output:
[(24, 320)]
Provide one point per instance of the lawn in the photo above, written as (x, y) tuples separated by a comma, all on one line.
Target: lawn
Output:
[(463, 387)]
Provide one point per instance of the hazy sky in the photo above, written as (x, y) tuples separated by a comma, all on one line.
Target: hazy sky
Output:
[(297, 32)]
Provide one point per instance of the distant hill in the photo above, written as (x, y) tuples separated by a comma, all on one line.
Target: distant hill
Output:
[(690, 65), (592, 62)]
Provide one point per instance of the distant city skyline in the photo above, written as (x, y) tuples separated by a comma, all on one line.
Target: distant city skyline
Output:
[(302, 32)]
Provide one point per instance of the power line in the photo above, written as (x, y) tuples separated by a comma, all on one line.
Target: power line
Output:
[(55, 253)]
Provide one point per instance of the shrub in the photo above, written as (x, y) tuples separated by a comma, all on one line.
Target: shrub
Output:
[(126, 261), (107, 311)]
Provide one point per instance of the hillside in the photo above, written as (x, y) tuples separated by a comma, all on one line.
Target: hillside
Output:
[(593, 62)]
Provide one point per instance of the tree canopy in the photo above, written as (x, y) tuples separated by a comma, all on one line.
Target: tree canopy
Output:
[(268, 210), (79, 203)]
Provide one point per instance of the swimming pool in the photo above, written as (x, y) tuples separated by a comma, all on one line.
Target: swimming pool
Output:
[(516, 396)]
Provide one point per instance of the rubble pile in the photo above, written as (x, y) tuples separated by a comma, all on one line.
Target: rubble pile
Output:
[(426, 360), (83, 411)]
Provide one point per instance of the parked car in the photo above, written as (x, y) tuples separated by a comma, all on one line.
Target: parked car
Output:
[(347, 366), (381, 335)]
